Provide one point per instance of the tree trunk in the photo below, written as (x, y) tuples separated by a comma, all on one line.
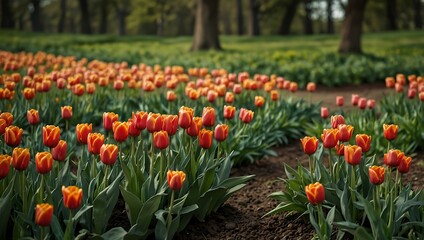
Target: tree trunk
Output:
[(85, 17), (307, 24), (255, 29), (62, 18), (418, 22), (7, 20), (288, 17), (352, 27), (103, 17), (240, 18), (391, 14), (35, 16), (330, 22), (206, 35), (122, 23)]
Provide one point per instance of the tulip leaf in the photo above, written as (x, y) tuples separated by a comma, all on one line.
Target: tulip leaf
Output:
[(6, 207), (116, 233), (80, 212)]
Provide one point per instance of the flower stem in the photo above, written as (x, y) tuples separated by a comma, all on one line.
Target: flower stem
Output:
[(312, 167), (152, 160), (69, 228), (169, 220), (41, 196), (105, 178), (94, 167), (161, 168), (321, 221), (331, 164), (352, 193)]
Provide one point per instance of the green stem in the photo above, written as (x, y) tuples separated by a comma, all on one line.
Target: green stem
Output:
[(311, 167), (41, 196), (389, 180), (66, 129), (352, 193), (132, 149), (152, 161), (94, 167), (169, 220), (377, 200), (161, 168), (322, 222), (22, 184), (331, 164), (168, 157), (69, 228), (43, 233), (396, 183), (105, 178)]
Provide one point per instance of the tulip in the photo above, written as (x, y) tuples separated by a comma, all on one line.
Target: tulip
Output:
[(13, 136), (33, 117), (221, 132), (20, 158), (355, 99), (29, 93), (340, 149), (393, 157), (353, 154), (371, 103), (66, 112), (3, 126), (51, 136), (72, 197), (8, 117), (405, 164), (118, 85), (390, 82), (161, 139), (309, 144), (376, 174), (196, 125), (95, 142), (259, 101), (140, 119), (154, 122), (170, 96), (59, 152), (364, 141), (315, 193), (4, 165), (362, 103), (274, 95), (345, 132), (229, 97), (293, 87), (311, 87), (120, 131), (205, 138), (78, 89), (43, 214), (108, 119), (175, 179), (245, 115), (212, 95), (43, 162), (390, 131), (208, 117), (108, 153), (339, 101), (336, 120), (398, 87), (324, 112), (330, 137), (185, 116), (83, 130), (133, 131), (229, 112)]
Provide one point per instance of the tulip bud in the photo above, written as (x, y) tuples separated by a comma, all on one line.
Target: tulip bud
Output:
[(353, 154), (311, 87), (51, 136), (336, 120), (175, 179), (274, 95), (393, 157), (66, 112), (324, 112), (259, 101), (13, 136), (108, 153), (170, 124), (20, 158), (364, 141), (83, 130), (140, 119), (154, 122), (339, 101), (345, 132), (221, 132), (33, 117), (340, 149), (390, 131), (208, 117), (229, 112), (404, 164), (245, 115), (330, 137), (309, 144), (5, 165), (59, 152), (376, 174), (185, 116), (205, 138), (95, 142), (362, 103), (43, 214), (315, 193), (108, 119), (371, 103), (355, 99), (43, 162), (72, 197), (120, 131), (229, 97), (161, 139), (170, 96), (390, 82), (194, 129)]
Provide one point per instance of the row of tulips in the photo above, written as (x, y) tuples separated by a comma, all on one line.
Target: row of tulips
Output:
[(354, 191)]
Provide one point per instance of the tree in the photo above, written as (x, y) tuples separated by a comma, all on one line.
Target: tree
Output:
[(36, 16), (352, 27), (122, 11), (85, 17), (206, 34), (104, 10), (391, 15), (240, 18), (62, 18), (254, 18), (7, 20), (418, 23), (307, 24), (288, 17), (330, 21)]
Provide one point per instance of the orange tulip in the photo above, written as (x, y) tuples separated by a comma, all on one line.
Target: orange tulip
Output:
[(120, 131), (390, 131), (108, 153), (205, 138), (339, 149), (390, 82), (293, 87), (405, 164), (78, 89), (309, 144), (245, 115), (345, 132), (3, 126), (170, 96), (29, 93), (212, 95), (66, 112), (13, 136), (353, 154), (83, 130), (43, 214), (175, 179), (4, 165), (59, 152), (185, 116), (133, 131), (393, 157), (229, 112), (20, 158), (421, 96), (330, 137), (95, 142), (51, 136), (229, 97), (72, 197), (154, 122), (221, 132), (336, 120), (315, 193), (118, 85), (43, 162), (8, 117), (324, 112), (371, 103), (161, 139), (208, 117), (108, 119), (274, 95), (170, 124), (311, 87), (259, 101), (140, 119), (364, 141), (196, 125), (33, 117), (376, 174)]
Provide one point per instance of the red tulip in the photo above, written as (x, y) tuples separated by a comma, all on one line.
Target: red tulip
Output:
[(259, 101), (83, 130), (362, 103), (393, 157), (29, 93), (72, 197), (20, 158), (311, 87), (43, 214), (140, 119), (108, 119), (154, 122), (229, 97), (324, 112), (194, 129), (170, 96), (330, 137), (133, 131), (345, 132), (185, 116), (339, 149), (315, 193), (120, 131), (221, 132), (355, 99), (170, 124), (4, 165), (3, 126), (336, 120), (8, 117), (13, 136), (94, 142), (371, 103), (44, 162), (390, 82), (274, 95), (161, 139), (33, 117), (309, 144), (353, 154), (205, 138), (51, 136), (229, 112), (108, 153), (364, 141), (59, 152), (66, 112), (245, 115), (339, 101), (175, 179), (376, 174), (404, 164), (390, 131), (212, 95), (208, 117)]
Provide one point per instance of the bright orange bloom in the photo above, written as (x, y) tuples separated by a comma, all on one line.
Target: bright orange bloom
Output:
[(66, 112), (33, 117), (3, 126), (8, 117), (13, 136), (51, 136), (43, 162), (108, 153), (237, 88), (274, 95), (118, 85), (364, 141), (154, 122), (20, 158), (59, 152), (330, 137), (78, 89), (161, 139), (205, 138), (376, 174), (4, 165), (390, 131), (309, 144), (421, 96), (108, 119), (170, 124), (29, 93), (393, 157), (185, 116), (311, 87), (175, 179), (194, 129), (120, 131), (83, 130), (345, 132), (72, 197), (229, 112), (208, 116), (43, 214), (336, 120), (390, 82), (229, 97), (405, 164), (339, 149), (212, 95), (95, 142), (259, 101), (245, 115), (315, 193), (221, 132), (353, 154), (170, 96), (133, 131), (140, 119)]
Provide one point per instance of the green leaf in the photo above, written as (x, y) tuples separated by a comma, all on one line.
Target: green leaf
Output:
[(81, 212), (117, 233)]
